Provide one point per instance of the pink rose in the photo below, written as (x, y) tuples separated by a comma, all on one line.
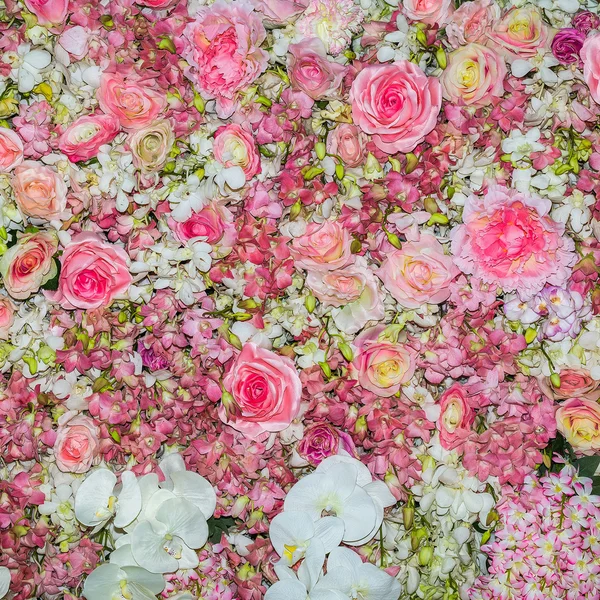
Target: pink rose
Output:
[(133, 103), (574, 383), (48, 12), (397, 104), (7, 316), (354, 293), (419, 273), (471, 21), (93, 274), (83, 138), (77, 443), (151, 145), (578, 420), (474, 76), (381, 365), (235, 147), (266, 392), (456, 416), (11, 150), (311, 72), (591, 65), (279, 12), (322, 440), (521, 33), (29, 264), (430, 12), (157, 4), (222, 47), (508, 239), (323, 247), (348, 143), (40, 192)]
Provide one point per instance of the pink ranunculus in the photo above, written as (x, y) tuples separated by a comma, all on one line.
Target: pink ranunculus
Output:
[(395, 103), (311, 72), (456, 416), (322, 440), (574, 383), (508, 239), (11, 150), (471, 21), (93, 274), (48, 12), (323, 247), (77, 443), (27, 265), (266, 392), (381, 366), (349, 143), (430, 12), (40, 192), (7, 316), (235, 147), (84, 137), (590, 53), (222, 47), (474, 76), (578, 420), (134, 103), (353, 291), (520, 33), (419, 273)]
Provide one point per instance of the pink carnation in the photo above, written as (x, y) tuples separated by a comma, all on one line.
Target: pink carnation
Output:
[(508, 239)]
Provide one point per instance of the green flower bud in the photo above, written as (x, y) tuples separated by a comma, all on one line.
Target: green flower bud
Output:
[(310, 302), (530, 335), (346, 351), (555, 380), (321, 150), (326, 369), (295, 210), (440, 56), (411, 163), (339, 171), (425, 555)]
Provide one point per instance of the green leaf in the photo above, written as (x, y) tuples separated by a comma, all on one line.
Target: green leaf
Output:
[(596, 485), (587, 465), (52, 284), (216, 527)]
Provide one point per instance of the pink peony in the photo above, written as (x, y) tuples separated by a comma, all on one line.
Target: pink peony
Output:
[(83, 138), (419, 273), (397, 104), (279, 12), (508, 239), (471, 22), (77, 443), (48, 12), (222, 46), (11, 150), (266, 392), (94, 273)]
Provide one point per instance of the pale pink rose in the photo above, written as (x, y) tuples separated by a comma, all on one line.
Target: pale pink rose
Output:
[(474, 76), (323, 247), (395, 103), (84, 137), (574, 383), (134, 103), (11, 150), (590, 55), (311, 72), (48, 12), (349, 143), (40, 192), (419, 273), (508, 239), (471, 21), (353, 291), (521, 33), (578, 420), (75, 40), (380, 365), (322, 440), (222, 47), (266, 392), (235, 147), (279, 12), (430, 12), (93, 274), (29, 264), (7, 316), (456, 417), (151, 145), (77, 443)]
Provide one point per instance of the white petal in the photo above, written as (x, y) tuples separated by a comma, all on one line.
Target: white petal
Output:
[(196, 489), (330, 530), (4, 581), (188, 558), (152, 582), (286, 590), (184, 520), (26, 80), (123, 556), (91, 500), (38, 59), (444, 497), (171, 463), (343, 558), (130, 500), (311, 568), (473, 501), (520, 67), (363, 476), (148, 550), (360, 516), (234, 177), (380, 493), (102, 582), (291, 528), (381, 586)]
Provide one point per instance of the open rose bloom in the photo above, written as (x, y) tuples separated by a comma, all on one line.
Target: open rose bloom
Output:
[(300, 300)]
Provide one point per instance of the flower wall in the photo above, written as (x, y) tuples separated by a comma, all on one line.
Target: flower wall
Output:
[(300, 299)]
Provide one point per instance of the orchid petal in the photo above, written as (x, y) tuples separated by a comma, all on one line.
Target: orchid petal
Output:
[(4, 581), (290, 528), (196, 489), (184, 519), (286, 590), (148, 550), (92, 498), (130, 500), (330, 530)]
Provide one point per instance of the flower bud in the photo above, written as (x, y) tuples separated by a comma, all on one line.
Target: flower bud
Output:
[(411, 163), (166, 43), (321, 150), (346, 351), (355, 246), (555, 380), (425, 555), (295, 210), (530, 335), (430, 205), (310, 302), (441, 58), (326, 369), (394, 240), (408, 515)]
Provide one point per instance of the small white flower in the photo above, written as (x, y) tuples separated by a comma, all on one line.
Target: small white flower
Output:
[(520, 145)]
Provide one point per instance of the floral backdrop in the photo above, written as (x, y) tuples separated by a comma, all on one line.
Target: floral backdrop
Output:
[(300, 299)]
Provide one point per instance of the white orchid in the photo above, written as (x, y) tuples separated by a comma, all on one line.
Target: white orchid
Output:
[(32, 63), (111, 582), (4, 581), (522, 145)]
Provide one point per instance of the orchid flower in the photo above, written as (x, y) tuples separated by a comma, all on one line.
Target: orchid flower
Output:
[(4, 581), (111, 582)]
